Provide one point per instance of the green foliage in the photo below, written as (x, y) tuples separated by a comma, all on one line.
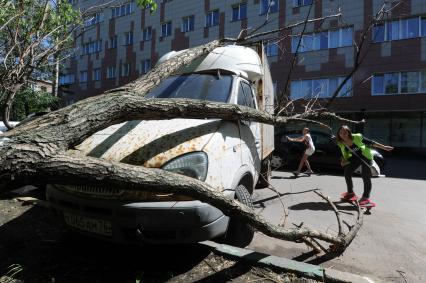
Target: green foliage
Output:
[(29, 101), (147, 3), (32, 31)]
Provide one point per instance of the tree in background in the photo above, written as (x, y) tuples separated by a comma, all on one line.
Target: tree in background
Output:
[(30, 100), (35, 35), (31, 32)]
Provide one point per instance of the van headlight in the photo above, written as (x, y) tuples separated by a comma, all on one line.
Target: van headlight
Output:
[(192, 164)]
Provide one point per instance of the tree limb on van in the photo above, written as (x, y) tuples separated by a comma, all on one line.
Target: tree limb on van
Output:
[(36, 151)]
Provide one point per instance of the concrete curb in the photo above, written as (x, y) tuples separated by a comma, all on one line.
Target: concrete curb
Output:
[(303, 269)]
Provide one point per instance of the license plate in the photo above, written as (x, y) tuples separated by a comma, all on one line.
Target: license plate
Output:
[(96, 226)]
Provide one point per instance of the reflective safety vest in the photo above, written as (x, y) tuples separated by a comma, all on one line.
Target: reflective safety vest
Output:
[(357, 140)]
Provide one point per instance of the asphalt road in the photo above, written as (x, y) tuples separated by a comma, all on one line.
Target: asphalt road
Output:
[(391, 244)]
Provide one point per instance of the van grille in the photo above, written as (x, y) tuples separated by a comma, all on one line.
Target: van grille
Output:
[(93, 191), (99, 192)]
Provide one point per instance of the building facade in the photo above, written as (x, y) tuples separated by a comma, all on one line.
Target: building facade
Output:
[(123, 41)]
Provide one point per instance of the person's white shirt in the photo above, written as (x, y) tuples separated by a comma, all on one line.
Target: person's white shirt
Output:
[(310, 142)]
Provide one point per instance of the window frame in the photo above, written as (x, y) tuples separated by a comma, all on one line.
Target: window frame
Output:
[(400, 79), (327, 94), (403, 29), (128, 38), (270, 10), (186, 23), (145, 68), (126, 69), (211, 17), (147, 33), (268, 49), (168, 25), (96, 74), (239, 16), (317, 40), (301, 3), (114, 72), (83, 77), (112, 44)]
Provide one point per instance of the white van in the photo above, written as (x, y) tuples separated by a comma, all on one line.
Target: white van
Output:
[(226, 155)]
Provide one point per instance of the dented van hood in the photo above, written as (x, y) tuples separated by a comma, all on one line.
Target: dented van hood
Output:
[(149, 143)]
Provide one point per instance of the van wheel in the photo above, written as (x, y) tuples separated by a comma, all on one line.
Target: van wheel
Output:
[(239, 233), (265, 174)]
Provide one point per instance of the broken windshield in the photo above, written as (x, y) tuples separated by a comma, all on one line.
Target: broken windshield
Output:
[(195, 86)]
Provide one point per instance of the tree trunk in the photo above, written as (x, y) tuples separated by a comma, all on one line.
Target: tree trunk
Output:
[(36, 151), (7, 108)]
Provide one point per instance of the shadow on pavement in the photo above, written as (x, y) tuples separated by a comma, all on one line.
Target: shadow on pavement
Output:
[(44, 251), (323, 206)]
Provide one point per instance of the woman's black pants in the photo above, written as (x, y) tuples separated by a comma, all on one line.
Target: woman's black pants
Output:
[(366, 175)]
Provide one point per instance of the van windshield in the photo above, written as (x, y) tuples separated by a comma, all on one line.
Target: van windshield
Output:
[(195, 86)]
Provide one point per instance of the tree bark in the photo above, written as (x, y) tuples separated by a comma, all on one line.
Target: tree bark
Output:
[(7, 107), (37, 150)]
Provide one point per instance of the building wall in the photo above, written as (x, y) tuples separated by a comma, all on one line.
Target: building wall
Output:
[(391, 56)]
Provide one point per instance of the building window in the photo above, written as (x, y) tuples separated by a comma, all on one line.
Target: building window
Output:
[(128, 38), (399, 29), (299, 3), (83, 76), (125, 70), (270, 6), (92, 47), (145, 66), (166, 29), (271, 49), (323, 40), (147, 34), (239, 12), (319, 88), (409, 82), (122, 10), (67, 79), (96, 74), (379, 33), (113, 42), (390, 83), (423, 26), (188, 23), (212, 18), (92, 20), (399, 82), (111, 72)]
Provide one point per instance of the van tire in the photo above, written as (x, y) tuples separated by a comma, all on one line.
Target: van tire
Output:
[(239, 233)]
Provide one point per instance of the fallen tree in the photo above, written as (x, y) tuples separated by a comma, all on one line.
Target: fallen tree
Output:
[(37, 151)]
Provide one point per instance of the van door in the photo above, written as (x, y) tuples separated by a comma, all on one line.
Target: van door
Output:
[(250, 131)]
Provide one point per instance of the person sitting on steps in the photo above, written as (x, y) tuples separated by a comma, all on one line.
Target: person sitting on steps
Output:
[(310, 149), (355, 150)]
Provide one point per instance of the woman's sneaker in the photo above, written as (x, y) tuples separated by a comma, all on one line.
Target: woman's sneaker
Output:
[(365, 202), (308, 172), (348, 196)]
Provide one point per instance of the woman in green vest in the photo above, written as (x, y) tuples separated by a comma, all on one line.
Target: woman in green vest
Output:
[(356, 152)]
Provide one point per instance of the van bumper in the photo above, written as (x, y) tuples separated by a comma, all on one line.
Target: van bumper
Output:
[(139, 222)]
